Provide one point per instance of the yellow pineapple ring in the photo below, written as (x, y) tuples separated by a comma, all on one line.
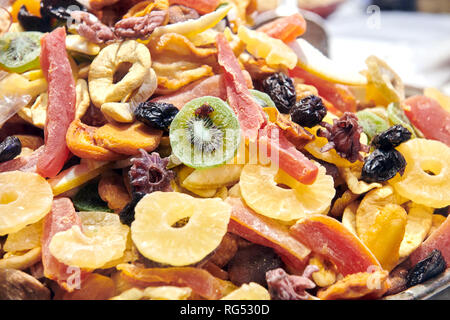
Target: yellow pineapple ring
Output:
[(103, 239), (260, 190), (426, 178), (155, 237), (25, 198)]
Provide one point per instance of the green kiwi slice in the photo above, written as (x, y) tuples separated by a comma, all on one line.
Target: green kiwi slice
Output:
[(263, 99), (20, 51), (205, 133)]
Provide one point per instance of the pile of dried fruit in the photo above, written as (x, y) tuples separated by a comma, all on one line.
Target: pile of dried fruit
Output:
[(166, 150)]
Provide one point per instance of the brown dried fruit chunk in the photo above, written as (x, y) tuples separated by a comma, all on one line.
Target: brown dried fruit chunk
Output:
[(357, 286), (29, 141), (18, 285), (128, 138), (226, 250), (112, 190)]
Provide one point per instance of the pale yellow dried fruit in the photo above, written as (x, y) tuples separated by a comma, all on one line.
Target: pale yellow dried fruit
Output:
[(235, 191), (436, 222), (217, 177), (326, 276), (352, 176), (25, 198), (80, 44), (102, 240), (157, 239), (250, 291), (371, 205), (419, 221), (342, 202), (83, 99), (260, 190), (102, 70), (222, 193), (21, 261), (155, 293), (349, 217), (25, 239)]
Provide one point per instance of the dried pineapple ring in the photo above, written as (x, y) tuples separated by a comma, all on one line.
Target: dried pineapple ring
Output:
[(25, 198), (102, 240), (429, 189), (259, 189), (101, 73), (157, 240)]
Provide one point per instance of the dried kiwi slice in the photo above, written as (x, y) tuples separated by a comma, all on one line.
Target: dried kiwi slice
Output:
[(205, 133), (20, 51), (262, 98)]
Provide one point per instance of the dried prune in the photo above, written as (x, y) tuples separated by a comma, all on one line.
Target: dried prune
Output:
[(60, 9), (250, 264), (382, 165), (428, 268), (281, 90), (156, 114), (391, 138), (309, 111), (127, 214), (10, 148), (283, 286)]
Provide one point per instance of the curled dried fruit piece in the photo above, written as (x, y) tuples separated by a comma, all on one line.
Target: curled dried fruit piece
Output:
[(283, 286), (427, 268), (155, 237), (363, 285), (344, 136)]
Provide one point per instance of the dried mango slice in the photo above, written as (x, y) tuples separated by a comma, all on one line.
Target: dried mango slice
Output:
[(103, 239), (274, 51), (419, 222), (386, 234), (25, 198), (25, 239)]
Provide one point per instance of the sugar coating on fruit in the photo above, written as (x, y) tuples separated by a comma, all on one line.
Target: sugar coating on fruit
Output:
[(25, 198), (102, 239), (157, 238), (261, 190), (426, 177)]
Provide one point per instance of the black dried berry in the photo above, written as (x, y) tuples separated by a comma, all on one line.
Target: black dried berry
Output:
[(309, 111), (428, 268), (382, 165), (127, 214), (281, 90), (60, 9), (10, 148), (30, 22), (156, 114), (391, 138)]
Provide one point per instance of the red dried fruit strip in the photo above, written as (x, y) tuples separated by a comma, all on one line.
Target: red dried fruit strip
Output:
[(61, 102), (286, 29)]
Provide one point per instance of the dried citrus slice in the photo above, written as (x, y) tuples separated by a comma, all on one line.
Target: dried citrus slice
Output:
[(260, 190), (426, 178), (25, 198), (102, 239), (157, 238)]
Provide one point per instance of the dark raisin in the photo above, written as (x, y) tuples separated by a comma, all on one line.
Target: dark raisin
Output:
[(251, 264), (281, 90), (60, 9), (127, 214), (382, 165), (428, 268), (391, 138), (156, 114), (30, 22), (442, 211), (10, 148), (308, 112), (204, 110)]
